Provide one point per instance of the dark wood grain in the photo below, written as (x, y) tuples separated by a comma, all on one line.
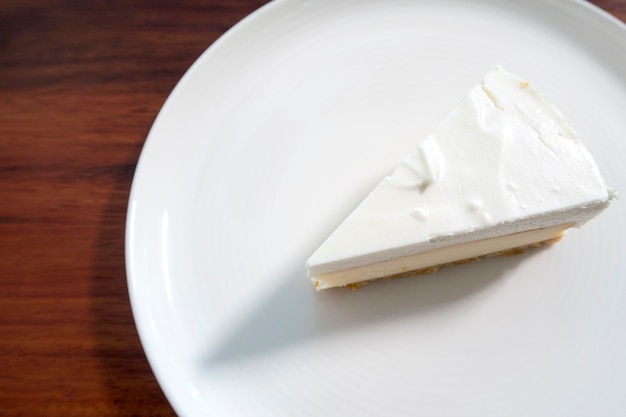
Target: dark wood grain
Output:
[(616, 7), (80, 85)]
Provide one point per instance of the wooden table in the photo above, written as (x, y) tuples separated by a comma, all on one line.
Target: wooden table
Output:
[(80, 85)]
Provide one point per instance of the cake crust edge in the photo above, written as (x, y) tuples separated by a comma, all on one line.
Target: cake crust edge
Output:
[(432, 269)]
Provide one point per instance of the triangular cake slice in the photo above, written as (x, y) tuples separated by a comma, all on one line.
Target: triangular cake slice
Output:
[(503, 171)]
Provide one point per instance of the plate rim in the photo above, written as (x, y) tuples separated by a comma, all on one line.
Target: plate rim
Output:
[(171, 393)]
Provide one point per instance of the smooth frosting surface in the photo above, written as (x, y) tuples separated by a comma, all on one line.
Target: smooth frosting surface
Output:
[(504, 161)]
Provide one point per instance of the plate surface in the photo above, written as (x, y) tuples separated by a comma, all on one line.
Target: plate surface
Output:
[(280, 129)]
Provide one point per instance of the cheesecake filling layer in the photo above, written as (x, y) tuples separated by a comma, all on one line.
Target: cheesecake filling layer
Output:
[(437, 257)]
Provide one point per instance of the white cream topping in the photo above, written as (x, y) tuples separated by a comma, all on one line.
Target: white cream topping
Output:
[(504, 161)]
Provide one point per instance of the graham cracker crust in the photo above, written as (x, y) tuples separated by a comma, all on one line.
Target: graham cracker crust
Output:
[(429, 270)]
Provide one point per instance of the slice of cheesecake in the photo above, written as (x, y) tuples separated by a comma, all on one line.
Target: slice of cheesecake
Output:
[(504, 171)]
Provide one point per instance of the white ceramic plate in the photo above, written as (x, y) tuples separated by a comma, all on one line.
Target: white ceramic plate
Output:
[(280, 129)]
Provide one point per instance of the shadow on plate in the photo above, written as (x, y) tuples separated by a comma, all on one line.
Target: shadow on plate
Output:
[(295, 313)]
